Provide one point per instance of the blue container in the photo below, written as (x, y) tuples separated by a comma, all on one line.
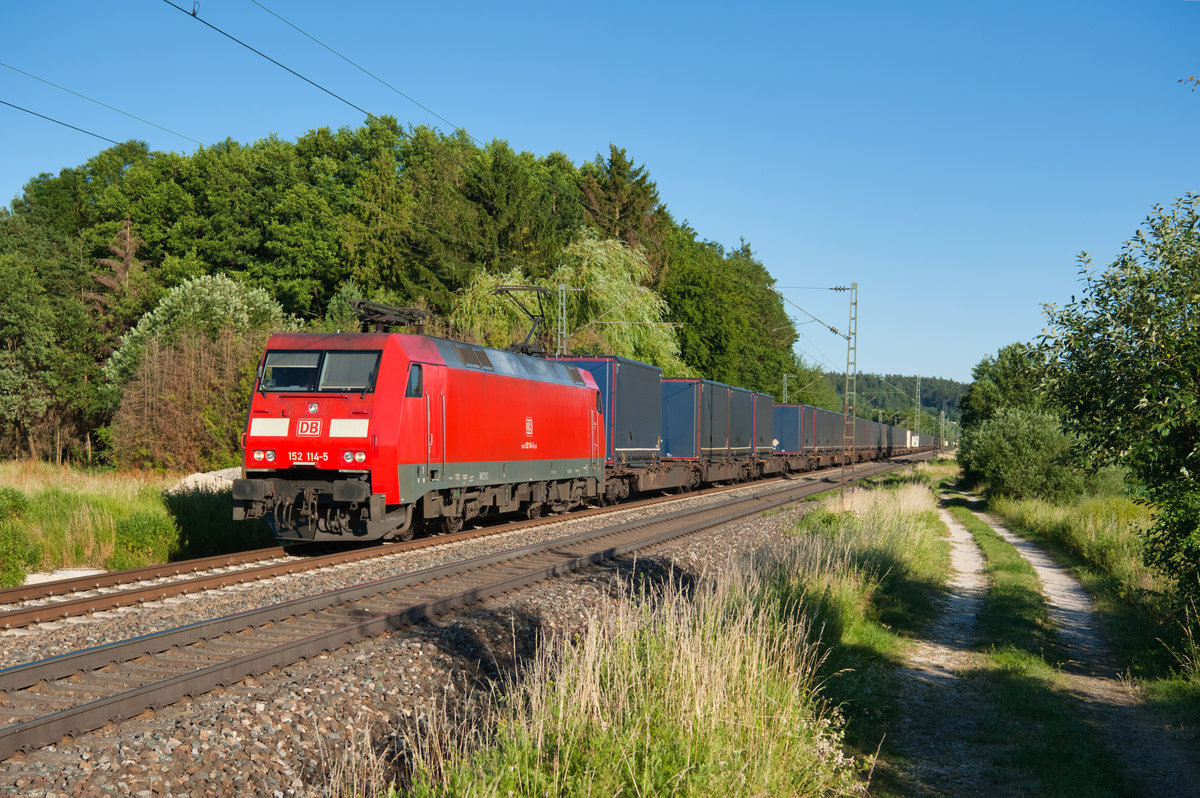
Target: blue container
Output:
[(788, 421)]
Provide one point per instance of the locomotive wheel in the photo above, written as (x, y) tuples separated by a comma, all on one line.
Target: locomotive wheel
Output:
[(401, 535), (451, 524)]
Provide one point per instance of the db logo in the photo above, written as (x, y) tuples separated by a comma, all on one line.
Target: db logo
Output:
[(529, 425), (308, 426)]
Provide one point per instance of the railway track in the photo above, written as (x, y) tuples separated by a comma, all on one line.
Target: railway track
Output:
[(57, 600), (43, 701)]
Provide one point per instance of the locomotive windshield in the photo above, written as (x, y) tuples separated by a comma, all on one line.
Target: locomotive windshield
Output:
[(312, 371)]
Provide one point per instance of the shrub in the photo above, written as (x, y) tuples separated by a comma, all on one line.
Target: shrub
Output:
[(18, 552), (142, 538), (204, 306), (1020, 453), (13, 503), (186, 405)]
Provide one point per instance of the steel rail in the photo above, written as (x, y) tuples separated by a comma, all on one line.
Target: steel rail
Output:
[(83, 605), (75, 584), (537, 562)]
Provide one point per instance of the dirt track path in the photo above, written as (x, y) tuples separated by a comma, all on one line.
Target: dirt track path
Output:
[(936, 738), (1156, 761)]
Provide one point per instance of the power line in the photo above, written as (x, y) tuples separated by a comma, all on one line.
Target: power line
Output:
[(98, 102), (357, 66), (827, 325), (233, 38), (64, 124)]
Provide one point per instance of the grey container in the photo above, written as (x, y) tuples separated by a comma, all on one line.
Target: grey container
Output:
[(764, 422), (741, 421), (631, 396), (680, 408), (828, 428)]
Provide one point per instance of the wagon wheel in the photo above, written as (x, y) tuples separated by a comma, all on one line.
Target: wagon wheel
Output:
[(451, 524), (533, 511)]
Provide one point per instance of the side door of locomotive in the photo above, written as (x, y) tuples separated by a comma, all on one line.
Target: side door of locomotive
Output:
[(435, 422)]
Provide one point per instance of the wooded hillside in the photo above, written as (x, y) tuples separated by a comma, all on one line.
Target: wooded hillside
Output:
[(294, 230)]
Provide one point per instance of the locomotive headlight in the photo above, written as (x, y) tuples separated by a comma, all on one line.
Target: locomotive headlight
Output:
[(258, 455), (270, 456), (360, 457), (348, 457)]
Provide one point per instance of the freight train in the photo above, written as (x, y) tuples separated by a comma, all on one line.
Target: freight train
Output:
[(378, 436)]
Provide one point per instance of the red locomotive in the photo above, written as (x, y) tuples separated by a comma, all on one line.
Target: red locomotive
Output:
[(374, 435)]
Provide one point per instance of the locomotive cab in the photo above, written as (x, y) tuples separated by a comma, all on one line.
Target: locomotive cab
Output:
[(309, 443)]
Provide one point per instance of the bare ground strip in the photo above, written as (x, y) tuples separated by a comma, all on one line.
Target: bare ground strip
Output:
[(936, 740)]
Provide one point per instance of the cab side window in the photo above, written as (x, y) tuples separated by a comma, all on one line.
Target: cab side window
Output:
[(414, 380)]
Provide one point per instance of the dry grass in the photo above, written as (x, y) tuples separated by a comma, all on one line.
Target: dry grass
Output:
[(886, 508), (32, 476), (65, 517)]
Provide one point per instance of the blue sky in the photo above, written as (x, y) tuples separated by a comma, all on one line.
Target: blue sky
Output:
[(952, 158)]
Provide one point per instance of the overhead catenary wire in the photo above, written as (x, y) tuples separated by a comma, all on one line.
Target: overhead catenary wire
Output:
[(64, 124), (100, 103), (817, 319), (359, 67), (252, 49)]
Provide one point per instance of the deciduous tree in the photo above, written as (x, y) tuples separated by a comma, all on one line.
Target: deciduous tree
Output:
[(1124, 364)]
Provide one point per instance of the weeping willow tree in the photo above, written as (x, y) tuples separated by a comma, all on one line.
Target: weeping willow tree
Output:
[(610, 310)]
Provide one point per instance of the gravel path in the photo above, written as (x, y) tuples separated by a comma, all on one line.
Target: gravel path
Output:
[(284, 732), (937, 737), (1157, 762)]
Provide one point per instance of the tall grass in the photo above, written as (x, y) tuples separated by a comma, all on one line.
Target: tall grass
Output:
[(57, 517), (867, 568), (679, 694), (1103, 531)]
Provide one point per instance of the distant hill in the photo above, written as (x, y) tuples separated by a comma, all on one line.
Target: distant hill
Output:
[(893, 395)]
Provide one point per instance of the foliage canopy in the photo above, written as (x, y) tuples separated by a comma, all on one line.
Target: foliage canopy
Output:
[(1123, 362), (406, 216)]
